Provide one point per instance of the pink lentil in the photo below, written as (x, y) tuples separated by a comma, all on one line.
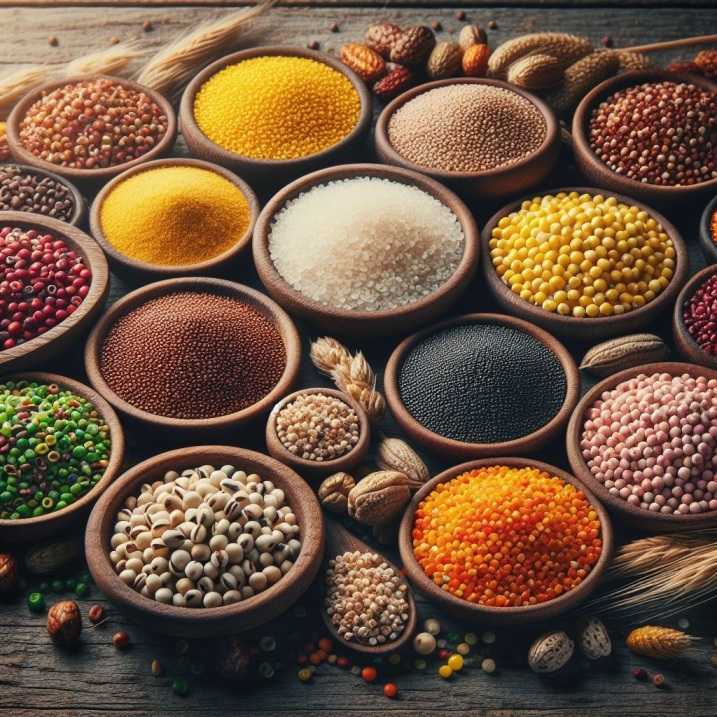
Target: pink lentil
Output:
[(700, 316), (652, 441)]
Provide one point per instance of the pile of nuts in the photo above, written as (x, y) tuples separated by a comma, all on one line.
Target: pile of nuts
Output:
[(205, 538)]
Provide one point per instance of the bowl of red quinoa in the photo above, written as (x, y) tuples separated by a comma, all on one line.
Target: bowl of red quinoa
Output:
[(695, 317), (708, 232), (422, 130), (193, 356), (611, 152)]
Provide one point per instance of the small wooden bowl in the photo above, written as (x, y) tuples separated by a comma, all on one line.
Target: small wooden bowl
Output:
[(636, 517), (598, 173), (464, 609), (206, 622), (25, 530), (93, 176), (453, 449), (266, 171), (688, 348), (77, 199), (182, 428), (586, 329), (366, 324), (707, 244), (310, 468), (490, 184), (135, 269), (70, 331)]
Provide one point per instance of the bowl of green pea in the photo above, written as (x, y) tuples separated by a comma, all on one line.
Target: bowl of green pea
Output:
[(61, 445)]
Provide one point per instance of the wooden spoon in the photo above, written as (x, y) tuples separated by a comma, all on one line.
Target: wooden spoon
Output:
[(339, 541)]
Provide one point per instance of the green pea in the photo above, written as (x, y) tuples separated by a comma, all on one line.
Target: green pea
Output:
[(180, 687), (38, 511), (82, 590), (36, 602), (23, 511)]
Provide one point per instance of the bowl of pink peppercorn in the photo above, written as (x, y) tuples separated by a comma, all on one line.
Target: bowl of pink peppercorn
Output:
[(645, 442), (694, 322)]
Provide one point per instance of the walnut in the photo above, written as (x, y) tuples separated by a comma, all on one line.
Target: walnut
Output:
[(334, 492), (380, 497)]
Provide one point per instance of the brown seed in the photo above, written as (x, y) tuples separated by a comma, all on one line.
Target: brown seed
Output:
[(313, 45), (436, 25), (156, 668), (96, 614), (658, 680), (147, 26), (607, 41), (492, 25), (334, 27), (460, 15), (114, 40), (120, 640), (53, 41)]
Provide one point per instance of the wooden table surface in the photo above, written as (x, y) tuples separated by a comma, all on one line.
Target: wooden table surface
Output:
[(37, 679)]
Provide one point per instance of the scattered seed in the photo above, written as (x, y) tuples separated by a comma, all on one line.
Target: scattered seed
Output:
[(488, 665), (96, 613), (334, 27), (156, 668), (460, 15), (436, 25), (120, 640), (114, 40), (53, 41), (147, 26), (180, 687), (492, 25), (607, 41), (313, 45), (658, 680), (640, 674)]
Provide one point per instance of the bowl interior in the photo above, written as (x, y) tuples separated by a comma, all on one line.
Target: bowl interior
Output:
[(708, 244)]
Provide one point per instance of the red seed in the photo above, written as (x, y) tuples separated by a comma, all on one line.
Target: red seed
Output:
[(120, 640), (96, 613), (390, 690), (369, 674)]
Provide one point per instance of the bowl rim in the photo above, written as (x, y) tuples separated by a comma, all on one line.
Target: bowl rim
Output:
[(579, 467), (97, 552), (225, 156), (566, 324), (600, 93), (684, 341), (552, 129), (166, 270), (18, 150), (708, 246), (116, 452), (462, 448), (270, 275), (550, 607), (289, 336), (95, 261)]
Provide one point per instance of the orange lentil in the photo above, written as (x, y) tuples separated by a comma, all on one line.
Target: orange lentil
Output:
[(713, 226), (369, 674), (503, 536)]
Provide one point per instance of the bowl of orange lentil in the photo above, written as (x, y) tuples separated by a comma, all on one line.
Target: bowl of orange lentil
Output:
[(505, 541)]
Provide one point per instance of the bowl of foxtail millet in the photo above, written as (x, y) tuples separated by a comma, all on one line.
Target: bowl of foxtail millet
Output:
[(483, 137)]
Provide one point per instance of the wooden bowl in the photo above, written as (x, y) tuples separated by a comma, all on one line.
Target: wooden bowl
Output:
[(135, 269), (586, 329), (311, 468), (707, 244), (366, 324), (70, 331), (599, 174), (453, 449), (77, 199), (206, 622), (495, 183), (183, 428), (266, 171), (26, 530), (631, 515), (688, 348), (93, 176), (463, 609)]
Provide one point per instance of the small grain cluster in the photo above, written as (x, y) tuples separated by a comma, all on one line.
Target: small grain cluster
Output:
[(366, 598), (192, 355), (467, 128), (23, 191), (699, 313), (318, 427), (205, 538), (365, 244)]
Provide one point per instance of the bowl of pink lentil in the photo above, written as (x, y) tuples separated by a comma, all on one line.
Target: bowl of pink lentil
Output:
[(645, 442), (694, 321)]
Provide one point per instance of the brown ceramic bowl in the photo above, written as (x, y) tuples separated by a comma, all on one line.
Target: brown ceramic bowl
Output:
[(77, 199), (70, 331), (93, 176), (463, 609), (586, 329), (366, 324), (689, 349), (598, 173), (629, 514), (265, 171), (26, 530), (489, 184), (707, 243), (454, 449), (194, 428), (304, 466), (135, 269), (206, 622)]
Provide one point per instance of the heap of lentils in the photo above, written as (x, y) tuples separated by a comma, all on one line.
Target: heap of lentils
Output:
[(582, 255), (42, 282), (92, 124), (505, 536), (366, 244), (30, 191), (713, 226), (482, 383), (192, 355), (54, 447), (277, 107), (699, 314), (652, 441), (662, 133), (467, 128)]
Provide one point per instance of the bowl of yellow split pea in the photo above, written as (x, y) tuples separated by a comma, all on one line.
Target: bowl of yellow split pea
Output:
[(583, 263), (274, 113)]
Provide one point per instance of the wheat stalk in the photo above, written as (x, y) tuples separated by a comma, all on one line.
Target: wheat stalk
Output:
[(14, 85), (110, 61)]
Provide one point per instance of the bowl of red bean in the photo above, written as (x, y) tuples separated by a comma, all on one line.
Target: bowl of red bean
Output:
[(53, 282), (694, 322), (649, 135), (90, 128), (645, 442)]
